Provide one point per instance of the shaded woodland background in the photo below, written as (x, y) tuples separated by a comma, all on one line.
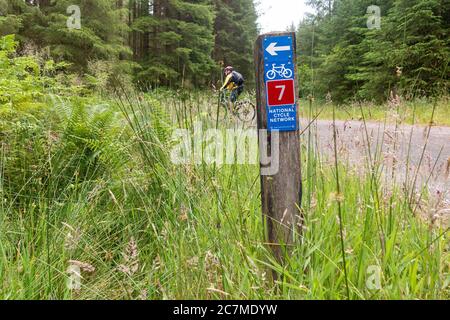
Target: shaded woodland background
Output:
[(185, 43)]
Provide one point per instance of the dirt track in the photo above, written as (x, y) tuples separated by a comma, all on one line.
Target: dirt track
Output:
[(393, 146)]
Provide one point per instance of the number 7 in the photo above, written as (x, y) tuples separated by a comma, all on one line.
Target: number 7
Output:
[(283, 88)]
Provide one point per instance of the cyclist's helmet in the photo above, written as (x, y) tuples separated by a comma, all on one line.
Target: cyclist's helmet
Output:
[(229, 69)]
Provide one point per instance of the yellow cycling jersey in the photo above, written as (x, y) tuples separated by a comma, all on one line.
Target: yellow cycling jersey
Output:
[(230, 85)]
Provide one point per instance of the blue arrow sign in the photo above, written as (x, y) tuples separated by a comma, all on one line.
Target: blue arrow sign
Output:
[(278, 48), (279, 79)]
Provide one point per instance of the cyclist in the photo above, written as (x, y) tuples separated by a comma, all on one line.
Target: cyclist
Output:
[(234, 82)]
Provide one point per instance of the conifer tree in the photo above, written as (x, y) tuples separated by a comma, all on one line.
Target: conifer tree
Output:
[(409, 52), (236, 31)]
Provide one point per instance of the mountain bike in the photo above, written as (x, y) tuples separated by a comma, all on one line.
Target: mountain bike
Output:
[(244, 109)]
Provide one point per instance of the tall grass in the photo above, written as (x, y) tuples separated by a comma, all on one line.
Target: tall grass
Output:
[(106, 198), (417, 110)]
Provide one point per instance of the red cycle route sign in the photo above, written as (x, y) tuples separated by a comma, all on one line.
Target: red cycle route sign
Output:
[(280, 92)]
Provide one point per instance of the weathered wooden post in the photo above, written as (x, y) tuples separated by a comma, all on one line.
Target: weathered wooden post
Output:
[(279, 138)]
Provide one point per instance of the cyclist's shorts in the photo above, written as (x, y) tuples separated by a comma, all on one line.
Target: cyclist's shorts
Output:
[(236, 93)]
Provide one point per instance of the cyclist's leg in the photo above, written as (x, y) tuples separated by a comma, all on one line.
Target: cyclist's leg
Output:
[(239, 90), (234, 95)]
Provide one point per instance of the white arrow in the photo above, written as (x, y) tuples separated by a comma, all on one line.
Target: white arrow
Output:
[(273, 49)]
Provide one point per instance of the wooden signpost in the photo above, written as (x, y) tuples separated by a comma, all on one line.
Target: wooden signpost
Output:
[(277, 108)]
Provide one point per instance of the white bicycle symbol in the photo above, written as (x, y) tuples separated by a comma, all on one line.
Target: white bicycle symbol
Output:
[(282, 71)]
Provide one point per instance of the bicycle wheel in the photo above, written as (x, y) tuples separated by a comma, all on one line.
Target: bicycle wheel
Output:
[(271, 75), (220, 113), (217, 110), (245, 111), (287, 73)]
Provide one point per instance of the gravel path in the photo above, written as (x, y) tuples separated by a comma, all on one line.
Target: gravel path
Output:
[(392, 145)]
